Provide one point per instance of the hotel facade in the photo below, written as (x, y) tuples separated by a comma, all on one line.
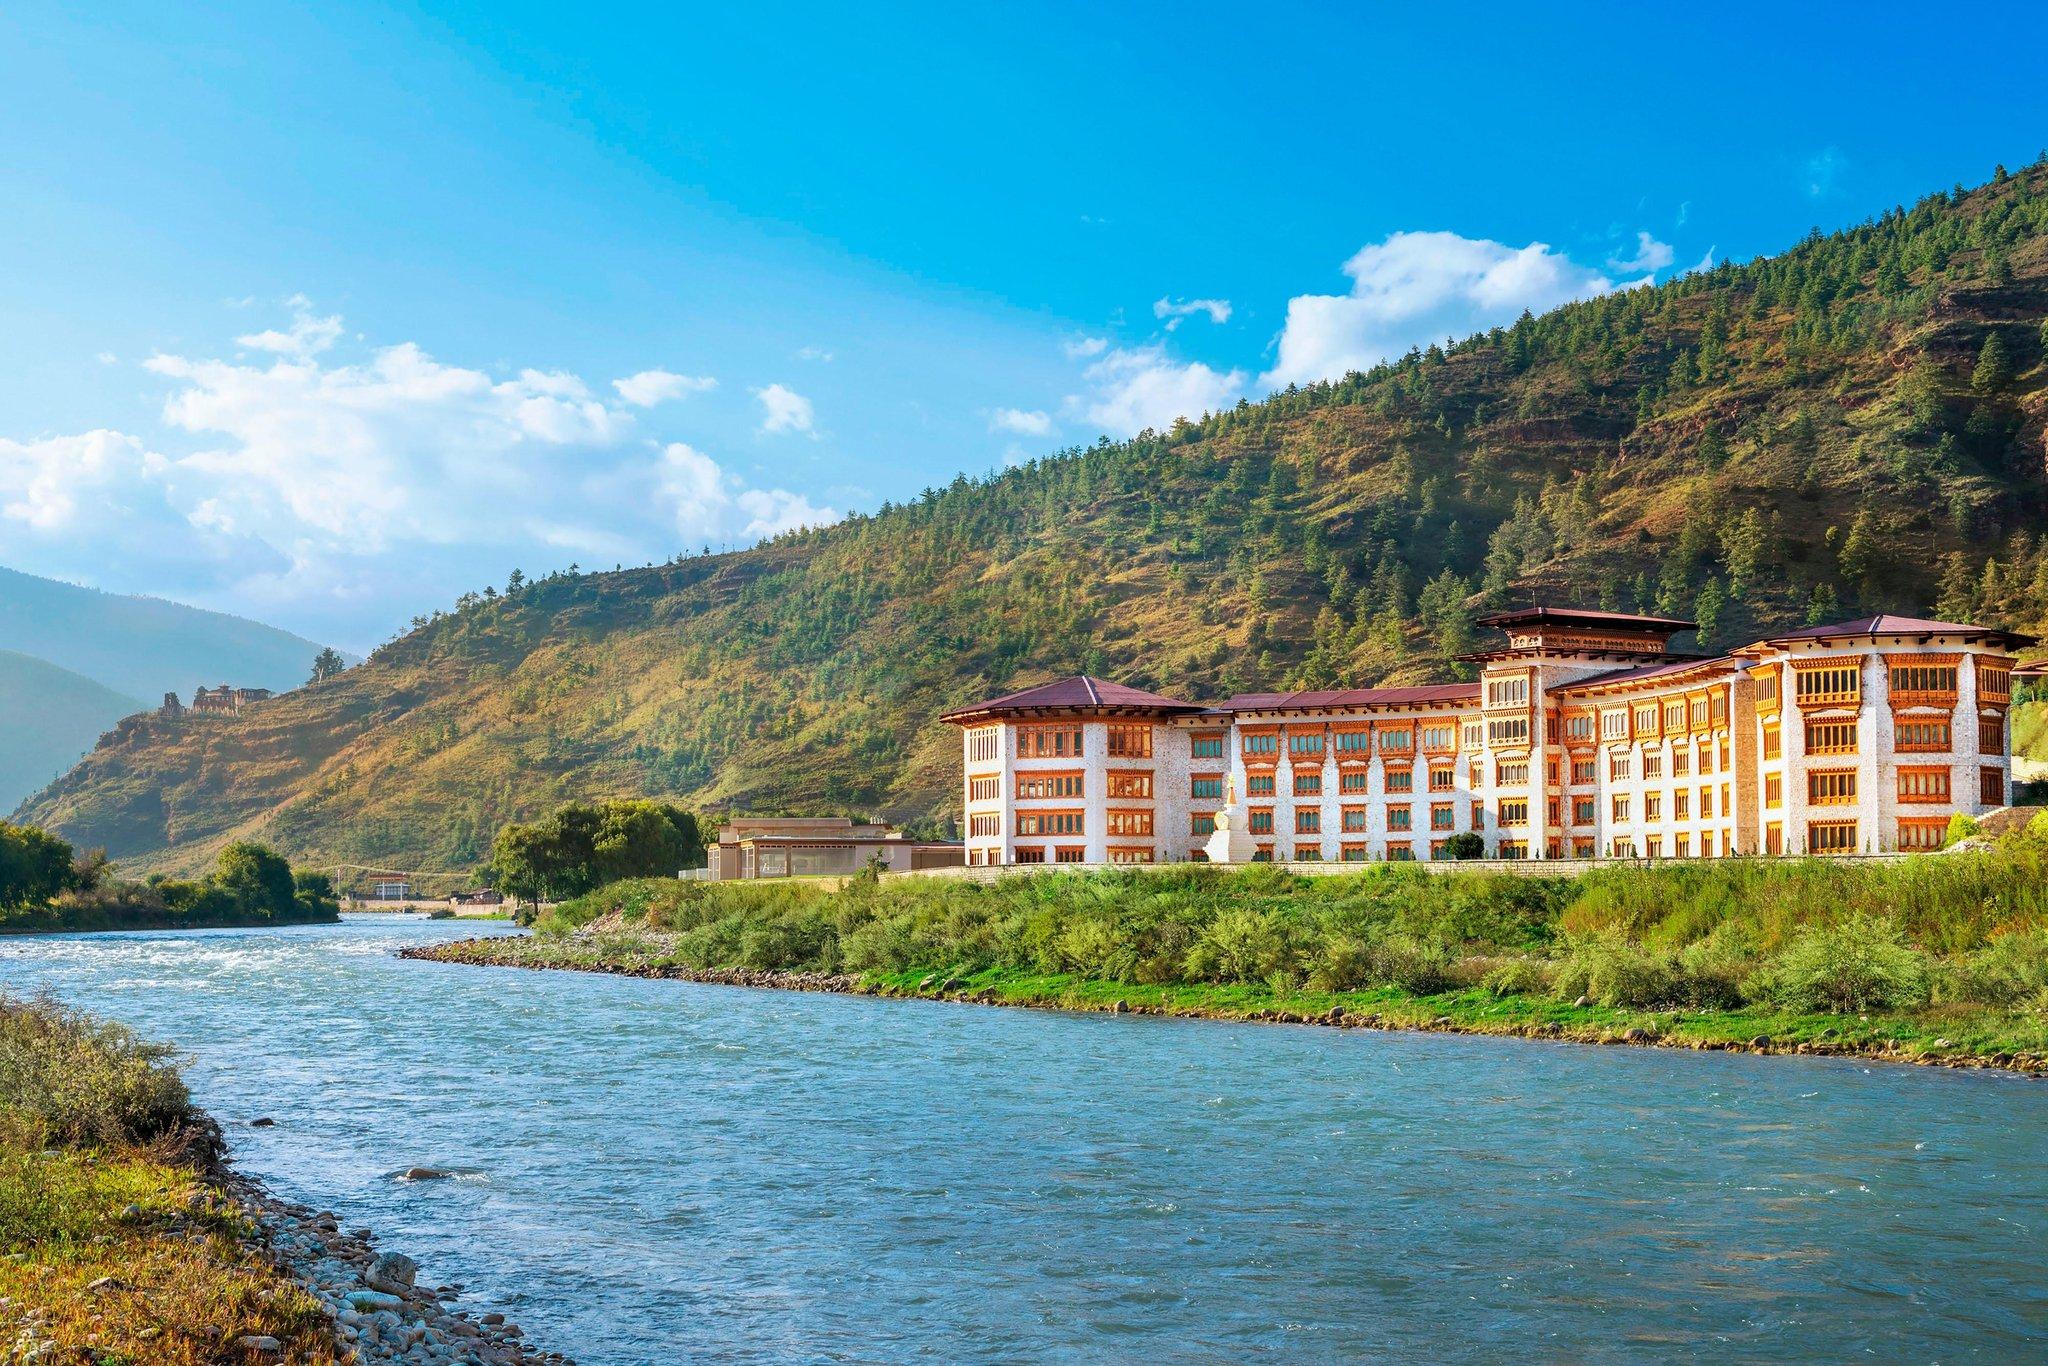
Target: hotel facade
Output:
[(1583, 737)]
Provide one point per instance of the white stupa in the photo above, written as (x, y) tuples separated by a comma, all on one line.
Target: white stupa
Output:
[(1231, 842)]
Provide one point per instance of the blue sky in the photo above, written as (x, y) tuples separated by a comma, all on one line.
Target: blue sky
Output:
[(324, 318)]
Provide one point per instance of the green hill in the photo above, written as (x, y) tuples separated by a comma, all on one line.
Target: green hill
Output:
[(53, 716), (1854, 423)]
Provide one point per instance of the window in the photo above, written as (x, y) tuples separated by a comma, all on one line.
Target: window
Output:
[(984, 745), (1443, 777), (1727, 807), (1653, 807), (1514, 849), (1037, 786), (1029, 853), (1618, 767), (1653, 764), (1479, 815), (984, 827), (1681, 762), (984, 789), (1834, 787), (1620, 809), (1681, 805), (1353, 744), (1706, 803), (1049, 742), (1653, 846), (1207, 745), (1070, 853), (1130, 742), (1920, 836), (1514, 774), (1614, 724), (1439, 736), (1049, 823), (1130, 855), (1263, 854), (1994, 682), (1514, 811), (1353, 853), (1774, 838), (1353, 819), (1206, 788), (1923, 784), (1262, 820), (1681, 846), (1475, 734), (1991, 734), (1646, 719), (1130, 786), (1774, 745), (1717, 707), (1674, 715), (1202, 823), (1831, 837), (1400, 780), (1766, 687), (1401, 741), (1353, 781), (1707, 759), (1621, 848), (1400, 818), (1583, 811), (1700, 712), (1579, 726), (1507, 692), (1261, 742), (1129, 823), (1991, 786), (1774, 790), (1305, 744), (1582, 771), (1308, 822), (1400, 851), (1829, 683), (1830, 737), (1309, 783), (1583, 846), (1924, 678), (1258, 785), (1443, 816), (1308, 853), (1512, 730)]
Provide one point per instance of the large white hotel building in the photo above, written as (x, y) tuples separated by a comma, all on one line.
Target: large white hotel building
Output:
[(1583, 737)]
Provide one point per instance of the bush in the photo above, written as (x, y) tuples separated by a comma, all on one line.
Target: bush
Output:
[(1239, 945), (2011, 969), (1608, 970), (1861, 964), (68, 1079), (1517, 977)]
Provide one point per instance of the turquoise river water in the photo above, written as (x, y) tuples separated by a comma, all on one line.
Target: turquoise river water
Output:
[(657, 1171)]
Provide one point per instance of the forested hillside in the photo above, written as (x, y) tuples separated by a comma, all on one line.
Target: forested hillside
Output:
[(1856, 423)]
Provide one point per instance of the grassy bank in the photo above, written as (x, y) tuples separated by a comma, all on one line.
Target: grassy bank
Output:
[(119, 1246), (1941, 958), (47, 887)]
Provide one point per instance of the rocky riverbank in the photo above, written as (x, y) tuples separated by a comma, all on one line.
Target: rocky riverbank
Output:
[(1874, 1037), (378, 1308)]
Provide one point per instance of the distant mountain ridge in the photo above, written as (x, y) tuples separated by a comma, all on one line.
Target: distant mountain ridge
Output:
[(1853, 425), (74, 660)]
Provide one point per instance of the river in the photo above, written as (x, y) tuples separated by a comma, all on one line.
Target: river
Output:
[(660, 1171)]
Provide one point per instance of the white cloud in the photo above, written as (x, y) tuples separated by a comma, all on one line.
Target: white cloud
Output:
[(307, 336), (1028, 423), (1650, 255), (1134, 388), (345, 495), (816, 353), (1080, 348), (1822, 169), (1421, 287), (784, 410), (1175, 312), (1704, 263), (107, 358), (650, 387)]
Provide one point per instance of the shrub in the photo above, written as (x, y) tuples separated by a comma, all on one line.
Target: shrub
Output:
[(1517, 977), (1240, 945), (1608, 970), (68, 1079), (2011, 969), (1860, 964), (1960, 827)]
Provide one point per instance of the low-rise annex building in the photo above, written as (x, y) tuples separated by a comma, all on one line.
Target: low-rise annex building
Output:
[(1584, 736)]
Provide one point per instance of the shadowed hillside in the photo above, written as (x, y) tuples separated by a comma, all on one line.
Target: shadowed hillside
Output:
[(1856, 423), (48, 717)]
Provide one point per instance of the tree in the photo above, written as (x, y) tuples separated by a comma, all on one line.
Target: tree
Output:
[(1465, 845), (1707, 609), (326, 665), (258, 881), (1994, 367), (579, 847), (34, 866)]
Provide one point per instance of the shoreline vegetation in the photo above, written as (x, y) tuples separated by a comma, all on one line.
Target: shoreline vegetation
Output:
[(1938, 959), (47, 887), (129, 1239)]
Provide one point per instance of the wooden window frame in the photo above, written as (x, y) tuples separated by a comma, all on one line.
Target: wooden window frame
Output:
[(1924, 784)]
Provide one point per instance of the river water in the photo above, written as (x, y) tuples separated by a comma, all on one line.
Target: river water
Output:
[(659, 1171)]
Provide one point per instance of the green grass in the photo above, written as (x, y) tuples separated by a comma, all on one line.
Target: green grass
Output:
[(1942, 955)]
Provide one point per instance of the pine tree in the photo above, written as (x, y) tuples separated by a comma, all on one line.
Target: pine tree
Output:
[(1823, 606), (1994, 367)]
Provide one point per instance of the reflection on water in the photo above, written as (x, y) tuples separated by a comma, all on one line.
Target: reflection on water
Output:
[(662, 1171)]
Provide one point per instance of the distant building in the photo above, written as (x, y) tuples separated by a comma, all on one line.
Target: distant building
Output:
[(1584, 737), (797, 846), (391, 889), (172, 708), (221, 701)]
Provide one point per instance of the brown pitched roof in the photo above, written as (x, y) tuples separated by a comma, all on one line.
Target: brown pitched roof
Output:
[(1575, 616), (1887, 624), (1077, 693), (1647, 673), (1347, 698)]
